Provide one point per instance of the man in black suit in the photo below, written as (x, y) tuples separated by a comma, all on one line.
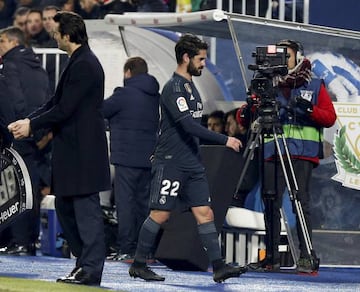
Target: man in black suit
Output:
[(80, 164)]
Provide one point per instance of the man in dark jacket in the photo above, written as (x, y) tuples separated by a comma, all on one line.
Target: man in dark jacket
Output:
[(29, 86), (7, 114), (80, 164), (133, 114)]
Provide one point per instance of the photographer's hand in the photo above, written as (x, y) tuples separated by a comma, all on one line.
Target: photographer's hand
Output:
[(304, 105), (234, 143)]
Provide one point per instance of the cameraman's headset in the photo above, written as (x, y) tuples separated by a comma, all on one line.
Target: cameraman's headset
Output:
[(296, 46)]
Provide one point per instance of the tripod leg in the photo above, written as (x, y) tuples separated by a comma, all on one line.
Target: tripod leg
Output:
[(248, 153), (293, 194), (296, 202), (289, 235)]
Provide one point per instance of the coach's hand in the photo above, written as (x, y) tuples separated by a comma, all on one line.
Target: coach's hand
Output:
[(20, 129), (234, 143)]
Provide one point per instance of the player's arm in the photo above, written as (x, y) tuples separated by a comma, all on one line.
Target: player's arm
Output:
[(195, 129)]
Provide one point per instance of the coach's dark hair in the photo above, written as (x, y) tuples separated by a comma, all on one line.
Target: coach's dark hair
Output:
[(14, 33), (189, 44), (136, 65), (72, 24)]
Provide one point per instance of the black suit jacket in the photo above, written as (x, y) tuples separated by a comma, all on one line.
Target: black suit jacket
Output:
[(80, 163)]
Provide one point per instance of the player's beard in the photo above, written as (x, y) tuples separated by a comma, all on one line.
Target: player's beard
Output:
[(192, 70)]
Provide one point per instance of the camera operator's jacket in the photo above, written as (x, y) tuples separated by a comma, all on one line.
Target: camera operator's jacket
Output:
[(302, 130)]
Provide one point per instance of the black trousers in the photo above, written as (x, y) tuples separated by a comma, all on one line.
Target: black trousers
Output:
[(132, 193), (274, 186), (81, 219)]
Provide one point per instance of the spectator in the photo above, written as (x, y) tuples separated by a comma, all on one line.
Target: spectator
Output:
[(215, 122), (48, 14), (133, 114), (38, 37), (20, 17)]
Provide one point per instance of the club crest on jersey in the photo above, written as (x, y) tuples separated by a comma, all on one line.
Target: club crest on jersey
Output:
[(189, 90), (306, 94), (162, 200), (181, 103)]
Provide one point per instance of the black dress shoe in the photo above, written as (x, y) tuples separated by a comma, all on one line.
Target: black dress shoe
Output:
[(228, 271), (144, 272), (80, 277), (19, 250)]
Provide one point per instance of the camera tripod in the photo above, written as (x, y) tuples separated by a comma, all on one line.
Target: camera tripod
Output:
[(268, 126)]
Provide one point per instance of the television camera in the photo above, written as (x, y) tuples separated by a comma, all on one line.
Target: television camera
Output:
[(271, 63)]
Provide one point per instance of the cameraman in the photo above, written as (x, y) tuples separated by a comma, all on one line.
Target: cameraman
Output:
[(305, 109)]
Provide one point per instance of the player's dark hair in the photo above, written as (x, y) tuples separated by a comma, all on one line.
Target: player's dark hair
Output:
[(189, 44)]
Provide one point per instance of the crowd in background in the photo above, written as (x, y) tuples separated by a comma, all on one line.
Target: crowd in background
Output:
[(97, 9)]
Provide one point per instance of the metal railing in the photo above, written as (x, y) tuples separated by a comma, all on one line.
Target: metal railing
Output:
[(289, 10), (44, 53)]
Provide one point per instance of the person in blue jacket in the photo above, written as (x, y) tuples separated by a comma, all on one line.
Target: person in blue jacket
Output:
[(133, 115)]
